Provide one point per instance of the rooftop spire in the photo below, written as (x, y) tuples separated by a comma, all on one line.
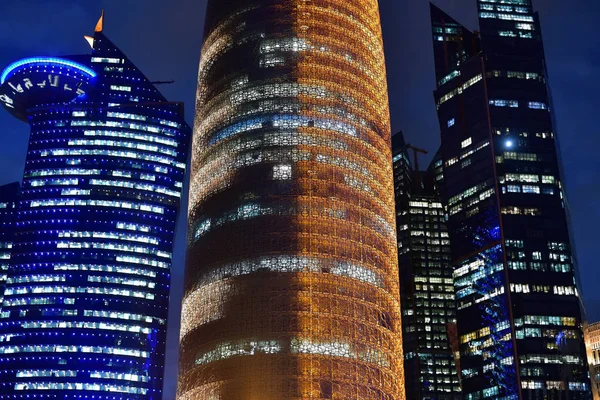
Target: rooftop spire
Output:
[(100, 24), (90, 40)]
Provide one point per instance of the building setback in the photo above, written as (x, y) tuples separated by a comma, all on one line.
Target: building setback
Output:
[(592, 344), (519, 317), (426, 284), (292, 279), (85, 306)]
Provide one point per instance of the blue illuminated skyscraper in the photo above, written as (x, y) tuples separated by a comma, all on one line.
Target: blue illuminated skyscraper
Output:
[(87, 290), (519, 317)]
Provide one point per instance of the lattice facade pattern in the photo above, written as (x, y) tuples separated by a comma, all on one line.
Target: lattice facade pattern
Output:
[(291, 278)]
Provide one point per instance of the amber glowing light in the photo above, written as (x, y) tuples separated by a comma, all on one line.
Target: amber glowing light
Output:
[(291, 276)]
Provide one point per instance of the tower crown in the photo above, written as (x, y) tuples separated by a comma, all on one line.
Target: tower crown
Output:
[(36, 81)]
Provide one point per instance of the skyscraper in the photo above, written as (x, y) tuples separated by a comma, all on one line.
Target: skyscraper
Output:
[(426, 284), (592, 344), (87, 289), (519, 317), (291, 278)]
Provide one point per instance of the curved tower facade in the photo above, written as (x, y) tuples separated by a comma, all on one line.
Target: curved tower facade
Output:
[(291, 277), (87, 287)]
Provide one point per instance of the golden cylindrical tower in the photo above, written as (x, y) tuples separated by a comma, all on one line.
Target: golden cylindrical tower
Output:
[(291, 279)]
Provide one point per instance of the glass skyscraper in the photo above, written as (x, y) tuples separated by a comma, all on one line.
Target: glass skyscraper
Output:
[(87, 289), (292, 277), (426, 284), (519, 317)]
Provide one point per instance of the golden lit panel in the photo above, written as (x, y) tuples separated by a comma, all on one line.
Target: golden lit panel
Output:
[(291, 279), (100, 24)]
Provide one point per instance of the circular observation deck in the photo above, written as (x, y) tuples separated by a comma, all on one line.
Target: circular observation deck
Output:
[(38, 81)]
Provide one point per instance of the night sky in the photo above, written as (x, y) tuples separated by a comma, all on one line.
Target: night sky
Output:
[(163, 38)]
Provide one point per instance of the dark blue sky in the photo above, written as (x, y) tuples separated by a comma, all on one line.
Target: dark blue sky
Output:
[(163, 37)]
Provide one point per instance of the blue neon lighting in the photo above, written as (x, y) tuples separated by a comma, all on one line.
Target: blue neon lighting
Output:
[(46, 60)]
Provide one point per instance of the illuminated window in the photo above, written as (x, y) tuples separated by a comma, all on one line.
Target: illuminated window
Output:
[(531, 189), (504, 103), (120, 88), (282, 172), (536, 105), (106, 60)]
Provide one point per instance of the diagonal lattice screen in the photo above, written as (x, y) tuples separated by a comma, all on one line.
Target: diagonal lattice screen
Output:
[(292, 277)]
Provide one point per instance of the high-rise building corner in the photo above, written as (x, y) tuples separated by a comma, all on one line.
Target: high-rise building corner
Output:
[(592, 344), (426, 284)]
